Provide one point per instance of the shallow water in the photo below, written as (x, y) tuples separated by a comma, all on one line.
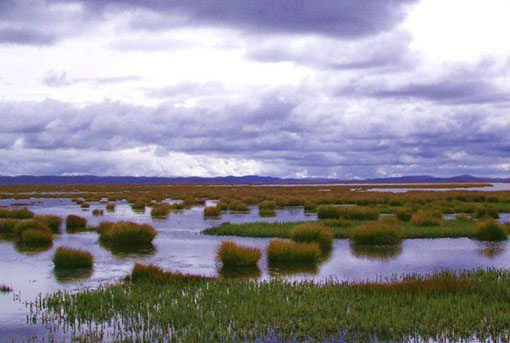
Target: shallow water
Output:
[(180, 246)]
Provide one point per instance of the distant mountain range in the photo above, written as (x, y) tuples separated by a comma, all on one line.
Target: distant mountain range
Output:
[(236, 180)]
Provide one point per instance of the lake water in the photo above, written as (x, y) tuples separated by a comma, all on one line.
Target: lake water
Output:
[(181, 246)]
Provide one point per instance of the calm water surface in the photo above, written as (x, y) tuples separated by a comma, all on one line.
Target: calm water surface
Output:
[(180, 246)]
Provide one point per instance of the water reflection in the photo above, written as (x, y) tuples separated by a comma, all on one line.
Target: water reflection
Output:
[(288, 269), (491, 249), (130, 252), (72, 275), (381, 253)]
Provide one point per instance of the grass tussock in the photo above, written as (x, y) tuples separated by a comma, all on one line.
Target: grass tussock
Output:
[(427, 218), (16, 213), (487, 211), (75, 224), (7, 226), (376, 234), (347, 212), (212, 211), (267, 212), (85, 205), (153, 274), (233, 255), (97, 212), (68, 258), (110, 207), (103, 226), (128, 234), (281, 251), (5, 289), (161, 210), (53, 222), (32, 232), (490, 230), (313, 233)]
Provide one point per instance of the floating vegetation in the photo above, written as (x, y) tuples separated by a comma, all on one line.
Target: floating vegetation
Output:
[(281, 251), (75, 224), (128, 234), (233, 255), (69, 258), (490, 230), (376, 234), (461, 307), (313, 233)]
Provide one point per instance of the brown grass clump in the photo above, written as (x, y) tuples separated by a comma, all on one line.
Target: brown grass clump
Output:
[(68, 258), (490, 230), (427, 218), (231, 254), (128, 234), (53, 222), (313, 233), (154, 274), (212, 211), (376, 234), (75, 223)]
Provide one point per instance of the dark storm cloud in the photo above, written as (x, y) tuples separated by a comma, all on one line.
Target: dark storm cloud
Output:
[(345, 18), (26, 36)]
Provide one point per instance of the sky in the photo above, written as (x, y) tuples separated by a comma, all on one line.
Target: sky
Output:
[(333, 88)]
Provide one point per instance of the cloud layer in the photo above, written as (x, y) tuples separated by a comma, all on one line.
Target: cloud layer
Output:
[(287, 88)]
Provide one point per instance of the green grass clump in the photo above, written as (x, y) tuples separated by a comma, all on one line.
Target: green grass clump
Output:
[(75, 223), (403, 214), (53, 222), (212, 211), (110, 207), (7, 225), (347, 212), (488, 211), (376, 234), (281, 251), (490, 230), (427, 218), (313, 233), (128, 234), (68, 258), (231, 254), (161, 209), (150, 273), (16, 213)]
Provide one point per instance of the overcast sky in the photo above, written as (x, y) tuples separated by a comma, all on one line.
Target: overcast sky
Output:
[(289, 88)]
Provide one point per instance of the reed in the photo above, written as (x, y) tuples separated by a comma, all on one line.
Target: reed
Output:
[(233, 255), (313, 233), (69, 258), (284, 251)]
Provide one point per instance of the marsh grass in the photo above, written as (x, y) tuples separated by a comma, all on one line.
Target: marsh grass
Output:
[(256, 229), (150, 273), (16, 213), (161, 210), (7, 226), (75, 224), (212, 212), (53, 222), (267, 212), (233, 255), (97, 212), (69, 258), (468, 306), (376, 234), (490, 230), (427, 218), (347, 212), (36, 238), (128, 234), (289, 252), (110, 207), (85, 205), (487, 211), (103, 226), (313, 233)]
